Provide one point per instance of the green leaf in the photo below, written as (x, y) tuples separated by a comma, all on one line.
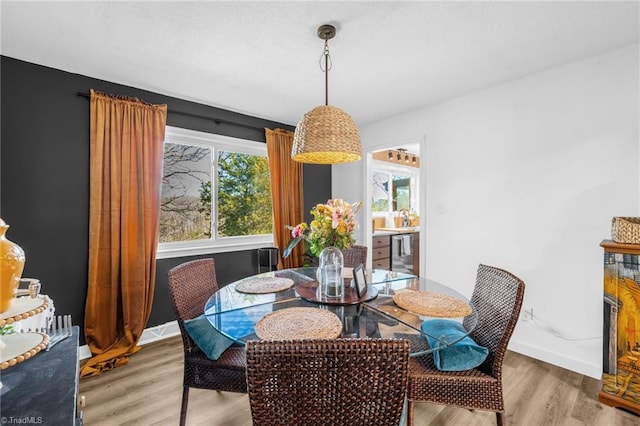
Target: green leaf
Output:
[(291, 245)]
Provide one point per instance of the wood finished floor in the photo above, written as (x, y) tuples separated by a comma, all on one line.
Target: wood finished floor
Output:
[(148, 392)]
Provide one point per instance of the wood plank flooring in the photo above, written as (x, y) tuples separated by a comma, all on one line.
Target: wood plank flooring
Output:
[(148, 391)]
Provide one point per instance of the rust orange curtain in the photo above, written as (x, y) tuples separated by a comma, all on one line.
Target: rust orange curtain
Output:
[(126, 137), (286, 193)]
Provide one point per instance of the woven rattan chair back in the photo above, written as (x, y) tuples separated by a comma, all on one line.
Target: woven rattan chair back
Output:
[(497, 298), (355, 255), (327, 382), (190, 286)]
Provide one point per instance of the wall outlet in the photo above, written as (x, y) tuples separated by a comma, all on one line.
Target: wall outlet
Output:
[(526, 315)]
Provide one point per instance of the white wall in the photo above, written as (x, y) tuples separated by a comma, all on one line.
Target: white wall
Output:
[(527, 176)]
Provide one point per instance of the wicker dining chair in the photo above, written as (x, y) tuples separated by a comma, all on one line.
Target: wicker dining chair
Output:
[(355, 255), (190, 285), (497, 297), (327, 382)]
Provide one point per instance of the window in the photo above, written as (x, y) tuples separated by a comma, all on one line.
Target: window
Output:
[(215, 194), (380, 191), (394, 189), (630, 261), (401, 194)]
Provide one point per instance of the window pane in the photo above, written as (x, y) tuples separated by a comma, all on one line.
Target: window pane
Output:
[(380, 192), (185, 206), (401, 192), (244, 195)]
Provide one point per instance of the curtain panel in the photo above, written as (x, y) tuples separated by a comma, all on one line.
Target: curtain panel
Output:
[(126, 155), (286, 193)]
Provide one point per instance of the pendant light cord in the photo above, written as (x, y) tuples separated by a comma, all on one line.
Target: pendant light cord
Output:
[(326, 72)]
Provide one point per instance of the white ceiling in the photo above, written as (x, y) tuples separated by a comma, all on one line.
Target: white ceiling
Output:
[(262, 58)]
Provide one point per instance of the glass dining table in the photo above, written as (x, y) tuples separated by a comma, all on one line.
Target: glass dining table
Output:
[(375, 315)]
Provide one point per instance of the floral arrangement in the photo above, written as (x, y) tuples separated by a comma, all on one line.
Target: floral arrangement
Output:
[(333, 225)]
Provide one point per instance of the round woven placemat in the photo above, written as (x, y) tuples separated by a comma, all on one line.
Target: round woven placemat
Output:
[(431, 304), (299, 323), (260, 285)]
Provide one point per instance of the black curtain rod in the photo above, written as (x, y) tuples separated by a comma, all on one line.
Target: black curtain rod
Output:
[(218, 121)]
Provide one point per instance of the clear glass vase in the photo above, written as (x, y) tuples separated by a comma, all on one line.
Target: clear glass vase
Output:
[(330, 266)]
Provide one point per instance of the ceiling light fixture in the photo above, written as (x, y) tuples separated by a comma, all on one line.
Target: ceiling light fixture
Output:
[(326, 134), (400, 152)]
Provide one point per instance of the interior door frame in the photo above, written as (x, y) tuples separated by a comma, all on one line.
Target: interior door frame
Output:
[(422, 202)]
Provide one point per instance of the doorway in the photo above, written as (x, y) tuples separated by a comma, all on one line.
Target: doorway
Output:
[(393, 187)]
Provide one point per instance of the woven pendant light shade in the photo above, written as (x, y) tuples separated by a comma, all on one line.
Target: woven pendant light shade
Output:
[(326, 135)]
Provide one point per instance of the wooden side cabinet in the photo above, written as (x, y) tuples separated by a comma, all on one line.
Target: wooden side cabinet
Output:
[(621, 327), (381, 252)]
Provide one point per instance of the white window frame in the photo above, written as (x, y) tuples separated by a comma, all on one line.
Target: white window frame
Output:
[(414, 173), (216, 245)]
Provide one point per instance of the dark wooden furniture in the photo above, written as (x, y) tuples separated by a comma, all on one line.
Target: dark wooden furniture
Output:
[(621, 323), (329, 382), (43, 389), (190, 285), (497, 297)]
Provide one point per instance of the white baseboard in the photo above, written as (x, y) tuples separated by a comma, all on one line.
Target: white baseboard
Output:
[(554, 358), (149, 335)]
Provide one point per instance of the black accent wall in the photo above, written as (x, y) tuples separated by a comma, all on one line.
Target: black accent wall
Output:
[(44, 178)]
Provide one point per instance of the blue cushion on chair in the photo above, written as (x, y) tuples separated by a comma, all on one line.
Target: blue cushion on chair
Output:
[(209, 340), (462, 355)]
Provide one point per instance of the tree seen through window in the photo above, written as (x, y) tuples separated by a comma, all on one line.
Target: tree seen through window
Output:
[(243, 194)]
